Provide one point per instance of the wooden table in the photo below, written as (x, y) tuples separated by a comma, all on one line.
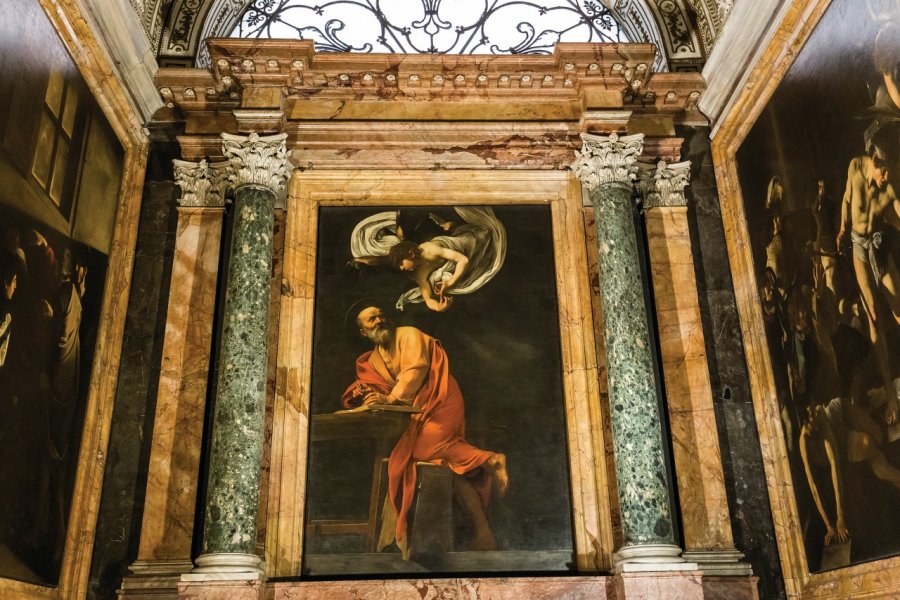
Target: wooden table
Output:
[(384, 428)]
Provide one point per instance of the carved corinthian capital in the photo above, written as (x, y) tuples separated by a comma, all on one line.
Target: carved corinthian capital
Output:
[(664, 186), (258, 160), (202, 184), (605, 160)]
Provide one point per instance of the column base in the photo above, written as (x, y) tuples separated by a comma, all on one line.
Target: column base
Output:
[(719, 563), (154, 579), (226, 565), (643, 558)]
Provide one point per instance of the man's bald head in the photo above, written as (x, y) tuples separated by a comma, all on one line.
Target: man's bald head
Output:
[(375, 325)]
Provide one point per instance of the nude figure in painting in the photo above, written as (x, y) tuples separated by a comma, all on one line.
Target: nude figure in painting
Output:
[(869, 206)]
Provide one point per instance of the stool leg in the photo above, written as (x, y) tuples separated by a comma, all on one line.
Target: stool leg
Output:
[(431, 527)]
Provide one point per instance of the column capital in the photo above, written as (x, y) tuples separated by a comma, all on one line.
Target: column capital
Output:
[(202, 184), (607, 159), (258, 160), (664, 185)]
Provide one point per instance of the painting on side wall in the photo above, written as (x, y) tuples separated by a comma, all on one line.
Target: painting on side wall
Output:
[(820, 177), (60, 168), (437, 435)]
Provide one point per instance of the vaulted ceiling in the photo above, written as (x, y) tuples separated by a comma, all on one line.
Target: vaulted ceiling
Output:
[(684, 31)]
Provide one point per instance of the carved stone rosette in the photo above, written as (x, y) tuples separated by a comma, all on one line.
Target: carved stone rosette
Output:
[(664, 186), (605, 160), (202, 184), (257, 160)]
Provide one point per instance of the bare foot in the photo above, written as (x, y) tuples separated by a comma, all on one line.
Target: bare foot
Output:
[(497, 466), (892, 411)]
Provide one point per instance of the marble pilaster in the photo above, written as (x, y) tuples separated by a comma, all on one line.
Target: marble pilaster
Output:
[(607, 168), (170, 501), (258, 170), (705, 517)]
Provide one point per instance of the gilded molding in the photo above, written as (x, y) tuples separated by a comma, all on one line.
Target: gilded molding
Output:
[(664, 186), (202, 184), (257, 160), (607, 159)]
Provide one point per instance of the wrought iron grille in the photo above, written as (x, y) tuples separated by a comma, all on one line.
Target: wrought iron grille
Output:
[(431, 26)]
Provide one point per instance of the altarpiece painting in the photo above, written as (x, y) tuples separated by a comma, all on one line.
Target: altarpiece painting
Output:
[(437, 434)]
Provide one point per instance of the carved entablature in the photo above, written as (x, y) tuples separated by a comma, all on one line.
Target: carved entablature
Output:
[(429, 111), (590, 75)]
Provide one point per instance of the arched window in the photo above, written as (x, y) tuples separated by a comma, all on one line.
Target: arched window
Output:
[(432, 26)]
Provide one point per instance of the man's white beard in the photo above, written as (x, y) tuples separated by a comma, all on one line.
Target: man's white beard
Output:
[(381, 336)]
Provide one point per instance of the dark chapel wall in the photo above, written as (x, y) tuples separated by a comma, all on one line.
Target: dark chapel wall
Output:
[(125, 478), (745, 483)]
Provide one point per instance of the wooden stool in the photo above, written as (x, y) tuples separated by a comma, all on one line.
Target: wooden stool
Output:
[(431, 515)]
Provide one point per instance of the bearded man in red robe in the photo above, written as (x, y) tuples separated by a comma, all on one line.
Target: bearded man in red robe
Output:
[(409, 367)]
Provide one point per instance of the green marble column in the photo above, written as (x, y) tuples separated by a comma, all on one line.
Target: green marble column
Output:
[(607, 167), (229, 536)]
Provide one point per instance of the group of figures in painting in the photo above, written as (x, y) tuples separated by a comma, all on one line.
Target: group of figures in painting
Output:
[(44, 284), (830, 292), (448, 256)]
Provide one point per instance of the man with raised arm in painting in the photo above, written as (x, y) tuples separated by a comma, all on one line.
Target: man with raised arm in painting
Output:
[(871, 211), (410, 367)]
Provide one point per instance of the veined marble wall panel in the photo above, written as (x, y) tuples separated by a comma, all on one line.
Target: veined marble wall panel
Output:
[(751, 517), (125, 477)]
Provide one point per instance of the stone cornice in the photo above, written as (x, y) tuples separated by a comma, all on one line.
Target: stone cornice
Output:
[(606, 160), (428, 111), (272, 75), (257, 160), (202, 184), (664, 185)]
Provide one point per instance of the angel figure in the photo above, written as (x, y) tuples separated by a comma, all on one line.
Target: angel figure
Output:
[(443, 258)]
